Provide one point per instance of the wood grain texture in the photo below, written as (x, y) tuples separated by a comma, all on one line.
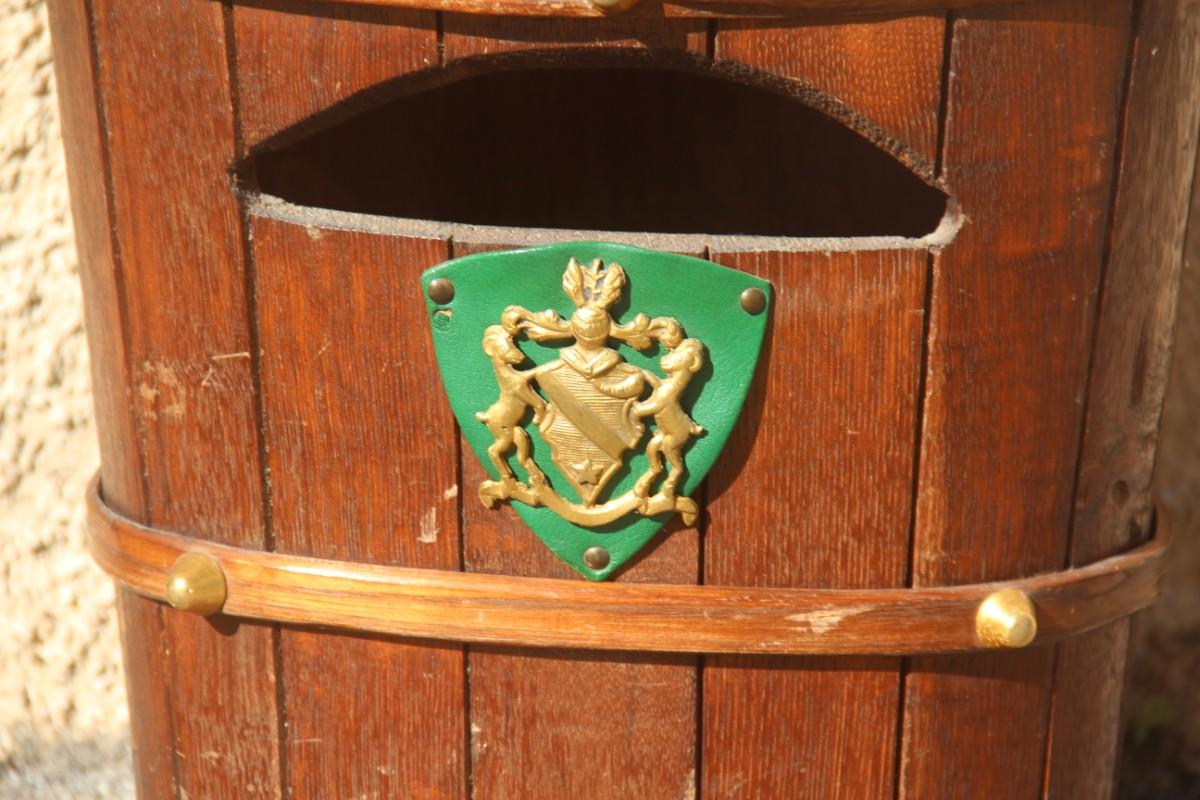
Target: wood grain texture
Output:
[(466, 35), (332, 52), (1012, 302), (362, 460), (1113, 503), (120, 454), (164, 88), (341, 447), (120, 463), (680, 8), (359, 437), (146, 657), (602, 725), (626, 615), (609, 725), (814, 489), (882, 75)]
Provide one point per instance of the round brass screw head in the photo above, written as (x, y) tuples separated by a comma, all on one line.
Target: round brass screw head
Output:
[(596, 557), (196, 584), (754, 300), (441, 291), (1006, 619)]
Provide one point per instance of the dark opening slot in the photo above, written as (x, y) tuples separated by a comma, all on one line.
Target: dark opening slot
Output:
[(611, 149)]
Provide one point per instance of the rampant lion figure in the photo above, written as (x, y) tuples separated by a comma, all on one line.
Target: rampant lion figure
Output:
[(673, 427), (503, 417)]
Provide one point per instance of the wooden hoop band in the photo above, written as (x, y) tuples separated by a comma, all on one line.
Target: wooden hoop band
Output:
[(542, 612), (680, 8)]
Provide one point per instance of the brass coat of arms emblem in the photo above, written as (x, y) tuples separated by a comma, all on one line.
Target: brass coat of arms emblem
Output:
[(596, 414), (595, 406)]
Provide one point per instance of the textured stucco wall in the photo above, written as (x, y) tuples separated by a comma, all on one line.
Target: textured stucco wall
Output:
[(63, 723)]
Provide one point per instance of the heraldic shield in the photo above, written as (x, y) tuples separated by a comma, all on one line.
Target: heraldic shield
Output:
[(596, 383)]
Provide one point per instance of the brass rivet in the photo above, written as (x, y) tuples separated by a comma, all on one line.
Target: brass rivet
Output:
[(196, 584), (596, 557), (1006, 619), (754, 301), (441, 291)]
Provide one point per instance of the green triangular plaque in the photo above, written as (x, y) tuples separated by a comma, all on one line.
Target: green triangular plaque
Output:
[(596, 383)]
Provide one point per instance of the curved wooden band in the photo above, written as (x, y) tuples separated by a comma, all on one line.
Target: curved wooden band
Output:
[(680, 8), (543, 612)]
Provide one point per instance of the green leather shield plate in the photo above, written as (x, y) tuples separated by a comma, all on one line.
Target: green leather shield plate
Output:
[(596, 383)]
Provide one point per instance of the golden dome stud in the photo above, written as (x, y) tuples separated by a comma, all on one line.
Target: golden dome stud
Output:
[(1006, 619), (596, 557), (441, 291), (196, 584), (753, 300)]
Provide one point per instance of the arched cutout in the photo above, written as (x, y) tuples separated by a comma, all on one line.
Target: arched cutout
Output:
[(617, 148)]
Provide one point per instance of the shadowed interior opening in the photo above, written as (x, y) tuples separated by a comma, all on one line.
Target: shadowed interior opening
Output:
[(619, 149)]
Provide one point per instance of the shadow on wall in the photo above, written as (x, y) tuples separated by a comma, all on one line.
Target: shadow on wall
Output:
[(97, 768)]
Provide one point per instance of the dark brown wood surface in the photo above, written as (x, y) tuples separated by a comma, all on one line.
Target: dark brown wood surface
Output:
[(1017, 460), (679, 8), (297, 60), (863, 313), (604, 725), (142, 636), (165, 100), (467, 35), (840, 376), (343, 333), (569, 717), (1012, 302), (1113, 501), (881, 75)]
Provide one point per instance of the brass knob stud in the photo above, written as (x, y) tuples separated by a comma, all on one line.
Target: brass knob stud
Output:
[(596, 557), (1005, 619), (196, 584), (441, 291), (753, 300)]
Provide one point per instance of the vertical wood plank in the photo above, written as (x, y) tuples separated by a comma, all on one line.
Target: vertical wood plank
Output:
[(361, 455), (815, 489), (884, 74), (145, 656), (165, 90), (332, 51), (595, 724), (120, 464), (147, 661), (1030, 132), (859, 447), (1113, 503), (363, 464), (552, 724)]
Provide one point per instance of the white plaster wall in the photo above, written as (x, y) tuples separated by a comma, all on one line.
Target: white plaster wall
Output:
[(63, 723)]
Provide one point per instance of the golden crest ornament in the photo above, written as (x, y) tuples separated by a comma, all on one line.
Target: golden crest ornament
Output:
[(598, 416), (593, 411)]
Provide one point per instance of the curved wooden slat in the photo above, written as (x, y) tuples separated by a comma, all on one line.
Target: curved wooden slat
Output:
[(543, 612), (681, 8)]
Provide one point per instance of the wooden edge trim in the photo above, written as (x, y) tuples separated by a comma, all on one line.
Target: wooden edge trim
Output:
[(544, 612), (683, 8)]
